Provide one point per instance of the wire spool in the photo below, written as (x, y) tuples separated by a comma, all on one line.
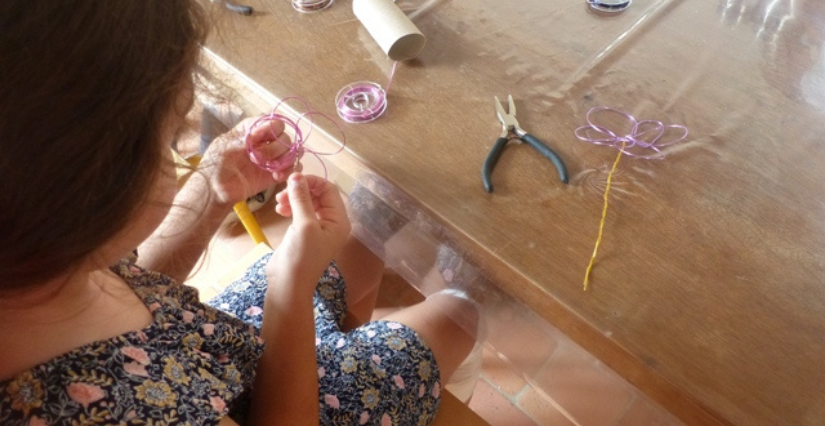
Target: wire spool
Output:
[(609, 6), (361, 102), (310, 6)]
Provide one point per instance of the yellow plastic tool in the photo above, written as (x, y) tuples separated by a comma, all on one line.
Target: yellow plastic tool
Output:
[(250, 223), (241, 208)]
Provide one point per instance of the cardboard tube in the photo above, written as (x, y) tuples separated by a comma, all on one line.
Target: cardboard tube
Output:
[(397, 36)]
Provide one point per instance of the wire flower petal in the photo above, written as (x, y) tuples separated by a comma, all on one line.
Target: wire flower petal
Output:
[(629, 135)]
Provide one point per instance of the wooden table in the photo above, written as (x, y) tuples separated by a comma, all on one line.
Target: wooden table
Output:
[(707, 292)]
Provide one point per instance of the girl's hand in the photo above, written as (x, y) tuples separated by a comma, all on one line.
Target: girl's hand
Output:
[(319, 228), (232, 175)]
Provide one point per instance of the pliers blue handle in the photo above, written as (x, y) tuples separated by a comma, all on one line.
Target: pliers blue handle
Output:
[(509, 127)]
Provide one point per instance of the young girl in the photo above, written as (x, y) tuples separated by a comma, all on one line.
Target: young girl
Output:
[(93, 93)]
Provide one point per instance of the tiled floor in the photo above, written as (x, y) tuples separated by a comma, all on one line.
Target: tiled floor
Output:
[(532, 375), (555, 383)]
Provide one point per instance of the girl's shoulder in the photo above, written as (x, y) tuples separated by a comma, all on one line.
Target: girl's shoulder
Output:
[(191, 364), (140, 279)]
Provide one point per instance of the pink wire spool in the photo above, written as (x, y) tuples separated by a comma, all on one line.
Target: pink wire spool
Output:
[(310, 6), (361, 102)]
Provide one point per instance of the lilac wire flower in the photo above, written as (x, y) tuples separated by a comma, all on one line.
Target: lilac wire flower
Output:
[(638, 136)]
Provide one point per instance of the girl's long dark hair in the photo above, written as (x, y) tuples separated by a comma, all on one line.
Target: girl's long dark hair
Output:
[(85, 89)]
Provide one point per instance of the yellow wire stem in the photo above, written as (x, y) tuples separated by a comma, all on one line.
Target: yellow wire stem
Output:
[(604, 217)]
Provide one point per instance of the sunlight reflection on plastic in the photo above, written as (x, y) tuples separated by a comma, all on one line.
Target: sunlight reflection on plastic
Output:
[(609, 6)]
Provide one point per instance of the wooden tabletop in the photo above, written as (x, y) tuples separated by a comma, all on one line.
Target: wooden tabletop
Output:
[(707, 292)]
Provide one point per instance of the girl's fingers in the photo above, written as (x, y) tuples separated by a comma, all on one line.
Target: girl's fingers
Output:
[(264, 131), (328, 196), (300, 200), (280, 175), (284, 205), (267, 140)]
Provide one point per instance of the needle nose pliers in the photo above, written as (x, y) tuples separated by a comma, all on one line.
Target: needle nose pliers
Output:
[(511, 129)]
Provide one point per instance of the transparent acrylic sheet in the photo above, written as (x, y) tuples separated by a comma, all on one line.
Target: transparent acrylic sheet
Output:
[(708, 283)]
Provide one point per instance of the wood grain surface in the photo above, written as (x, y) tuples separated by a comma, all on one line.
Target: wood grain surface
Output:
[(707, 293)]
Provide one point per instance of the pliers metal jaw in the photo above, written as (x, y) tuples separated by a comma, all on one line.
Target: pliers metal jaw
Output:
[(509, 130)]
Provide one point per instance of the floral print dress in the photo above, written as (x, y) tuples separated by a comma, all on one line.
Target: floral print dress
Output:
[(195, 364), (192, 365), (381, 373)]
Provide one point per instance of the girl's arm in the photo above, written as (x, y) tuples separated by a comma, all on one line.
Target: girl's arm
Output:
[(286, 385), (224, 177), (177, 244)]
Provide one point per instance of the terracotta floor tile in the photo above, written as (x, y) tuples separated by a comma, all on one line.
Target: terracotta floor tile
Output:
[(501, 375), (386, 302), (396, 290), (589, 392), (542, 410), (497, 410), (520, 338)]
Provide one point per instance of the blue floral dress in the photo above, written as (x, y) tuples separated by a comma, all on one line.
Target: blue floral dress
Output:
[(192, 365), (195, 364), (379, 374)]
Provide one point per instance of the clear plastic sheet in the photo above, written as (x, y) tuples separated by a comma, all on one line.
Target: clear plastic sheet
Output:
[(707, 294)]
